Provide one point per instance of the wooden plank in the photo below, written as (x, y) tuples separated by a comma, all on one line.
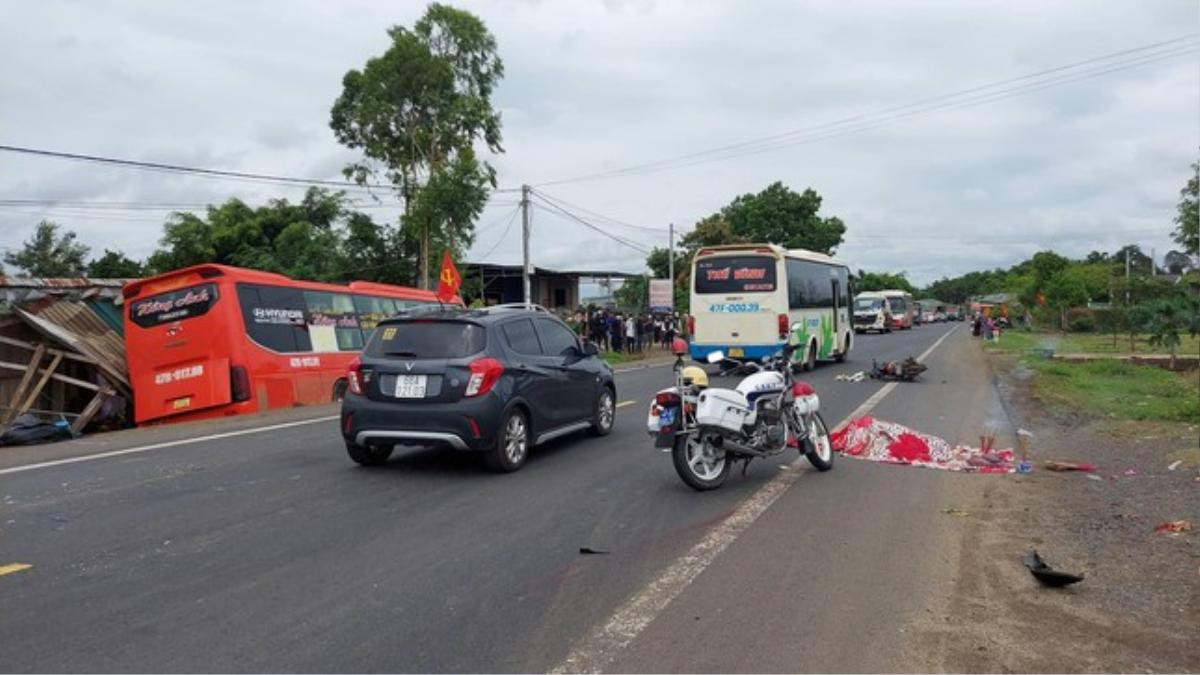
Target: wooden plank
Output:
[(30, 371), (30, 346), (60, 378), (32, 397), (90, 410)]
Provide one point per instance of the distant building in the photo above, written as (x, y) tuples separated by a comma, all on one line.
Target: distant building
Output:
[(553, 289)]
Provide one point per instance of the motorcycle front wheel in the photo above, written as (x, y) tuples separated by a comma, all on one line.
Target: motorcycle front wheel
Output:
[(700, 465), (817, 448)]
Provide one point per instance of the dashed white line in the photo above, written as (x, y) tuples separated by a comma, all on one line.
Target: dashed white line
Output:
[(598, 648)]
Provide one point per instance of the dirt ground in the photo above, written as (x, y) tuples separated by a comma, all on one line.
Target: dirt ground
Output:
[(1138, 609)]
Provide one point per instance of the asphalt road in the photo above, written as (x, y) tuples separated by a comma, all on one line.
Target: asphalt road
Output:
[(273, 552)]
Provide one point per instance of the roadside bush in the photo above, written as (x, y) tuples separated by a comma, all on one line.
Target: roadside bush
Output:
[(1080, 320)]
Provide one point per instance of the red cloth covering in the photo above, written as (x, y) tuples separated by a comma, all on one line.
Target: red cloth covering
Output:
[(880, 441)]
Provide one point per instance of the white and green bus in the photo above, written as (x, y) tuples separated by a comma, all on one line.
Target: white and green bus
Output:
[(748, 300)]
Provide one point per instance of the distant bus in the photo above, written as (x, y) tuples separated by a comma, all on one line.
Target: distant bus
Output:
[(903, 308), (212, 340), (749, 300)]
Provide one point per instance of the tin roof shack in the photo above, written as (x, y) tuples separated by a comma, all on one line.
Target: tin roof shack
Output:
[(62, 351)]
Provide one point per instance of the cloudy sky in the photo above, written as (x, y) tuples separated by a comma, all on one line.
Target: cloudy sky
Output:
[(1075, 164)]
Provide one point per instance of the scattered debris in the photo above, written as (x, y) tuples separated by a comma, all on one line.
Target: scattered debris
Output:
[(907, 371), (591, 551), (1174, 465), (1058, 465), (1046, 574), (1174, 527), (1129, 472), (851, 377), (951, 511), (1094, 477)]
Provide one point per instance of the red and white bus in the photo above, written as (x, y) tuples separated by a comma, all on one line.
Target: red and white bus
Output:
[(213, 340)]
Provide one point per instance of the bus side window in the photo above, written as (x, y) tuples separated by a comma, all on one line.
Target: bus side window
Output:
[(274, 317)]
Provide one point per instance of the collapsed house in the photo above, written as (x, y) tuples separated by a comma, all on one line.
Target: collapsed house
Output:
[(62, 355)]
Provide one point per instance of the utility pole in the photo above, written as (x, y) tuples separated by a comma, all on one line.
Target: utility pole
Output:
[(1127, 277), (1153, 253), (671, 261), (525, 242)]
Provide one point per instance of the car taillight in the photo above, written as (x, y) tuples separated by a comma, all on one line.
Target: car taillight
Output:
[(239, 383), (783, 326), (354, 377), (803, 389), (666, 399), (691, 326), (484, 374)]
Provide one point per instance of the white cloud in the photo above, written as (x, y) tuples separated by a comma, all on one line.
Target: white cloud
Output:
[(591, 87)]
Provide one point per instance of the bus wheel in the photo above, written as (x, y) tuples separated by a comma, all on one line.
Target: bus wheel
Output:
[(840, 357), (339, 391), (810, 360)]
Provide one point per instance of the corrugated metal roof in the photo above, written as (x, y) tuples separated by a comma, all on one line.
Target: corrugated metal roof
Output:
[(75, 325), (65, 282)]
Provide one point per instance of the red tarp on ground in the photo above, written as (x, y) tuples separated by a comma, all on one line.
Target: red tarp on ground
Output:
[(880, 441)]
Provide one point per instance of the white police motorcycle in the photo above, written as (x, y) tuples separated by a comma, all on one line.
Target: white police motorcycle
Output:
[(708, 429)]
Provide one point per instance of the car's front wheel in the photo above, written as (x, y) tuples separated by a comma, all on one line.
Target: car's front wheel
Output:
[(369, 455), (512, 443), (606, 413)]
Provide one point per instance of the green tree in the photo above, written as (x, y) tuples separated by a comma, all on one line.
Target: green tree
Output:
[(114, 265), (883, 281), (48, 254), (779, 215), (415, 113), (634, 294), (1187, 219), (1166, 319)]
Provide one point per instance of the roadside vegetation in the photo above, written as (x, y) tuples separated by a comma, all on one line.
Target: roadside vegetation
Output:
[(1116, 389), (1086, 343)]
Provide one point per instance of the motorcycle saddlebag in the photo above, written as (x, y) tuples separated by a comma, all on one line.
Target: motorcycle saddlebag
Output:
[(722, 408)]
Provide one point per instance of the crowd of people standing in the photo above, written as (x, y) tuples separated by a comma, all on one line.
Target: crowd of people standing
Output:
[(629, 332)]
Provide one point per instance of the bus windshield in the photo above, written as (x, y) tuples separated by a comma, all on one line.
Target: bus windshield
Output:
[(863, 304), (736, 274), (897, 304)]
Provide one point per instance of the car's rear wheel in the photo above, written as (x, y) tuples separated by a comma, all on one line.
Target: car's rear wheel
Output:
[(369, 455), (606, 413), (512, 443)]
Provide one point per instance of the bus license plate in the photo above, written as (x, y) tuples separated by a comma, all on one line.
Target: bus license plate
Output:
[(181, 403), (736, 352), (410, 386)]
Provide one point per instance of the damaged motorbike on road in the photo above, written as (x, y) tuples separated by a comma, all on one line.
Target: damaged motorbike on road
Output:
[(708, 429)]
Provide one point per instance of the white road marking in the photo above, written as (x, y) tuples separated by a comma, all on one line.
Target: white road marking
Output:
[(598, 648), (165, 444), (622, 404)]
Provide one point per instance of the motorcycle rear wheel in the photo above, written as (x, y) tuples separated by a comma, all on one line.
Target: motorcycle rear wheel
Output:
[(697, 463), (817, 448)]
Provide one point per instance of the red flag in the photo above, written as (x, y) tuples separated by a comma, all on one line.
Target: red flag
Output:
[(448, 281)]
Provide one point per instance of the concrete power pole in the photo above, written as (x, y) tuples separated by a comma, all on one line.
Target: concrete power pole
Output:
[(525, 242), (1126, 277), (671, 261)]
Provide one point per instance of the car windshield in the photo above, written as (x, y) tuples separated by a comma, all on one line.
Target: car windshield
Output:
[(865, 304), (420, 339)]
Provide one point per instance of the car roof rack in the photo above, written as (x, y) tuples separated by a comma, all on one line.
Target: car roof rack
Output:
[(520, 305)]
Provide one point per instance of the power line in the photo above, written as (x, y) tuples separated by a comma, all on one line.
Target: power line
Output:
[(199, 171), (1178, 46), (601, 216), (503, 235), (556, 210)]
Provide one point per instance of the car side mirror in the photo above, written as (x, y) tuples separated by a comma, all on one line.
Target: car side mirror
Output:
[(590, 349)]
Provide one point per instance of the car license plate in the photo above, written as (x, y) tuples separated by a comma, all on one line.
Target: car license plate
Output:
[(181, 403), (737, 352), (410, 386), (667, 417)]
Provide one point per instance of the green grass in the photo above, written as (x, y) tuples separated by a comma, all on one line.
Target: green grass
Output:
[(1117, 389), (1085, 343)]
